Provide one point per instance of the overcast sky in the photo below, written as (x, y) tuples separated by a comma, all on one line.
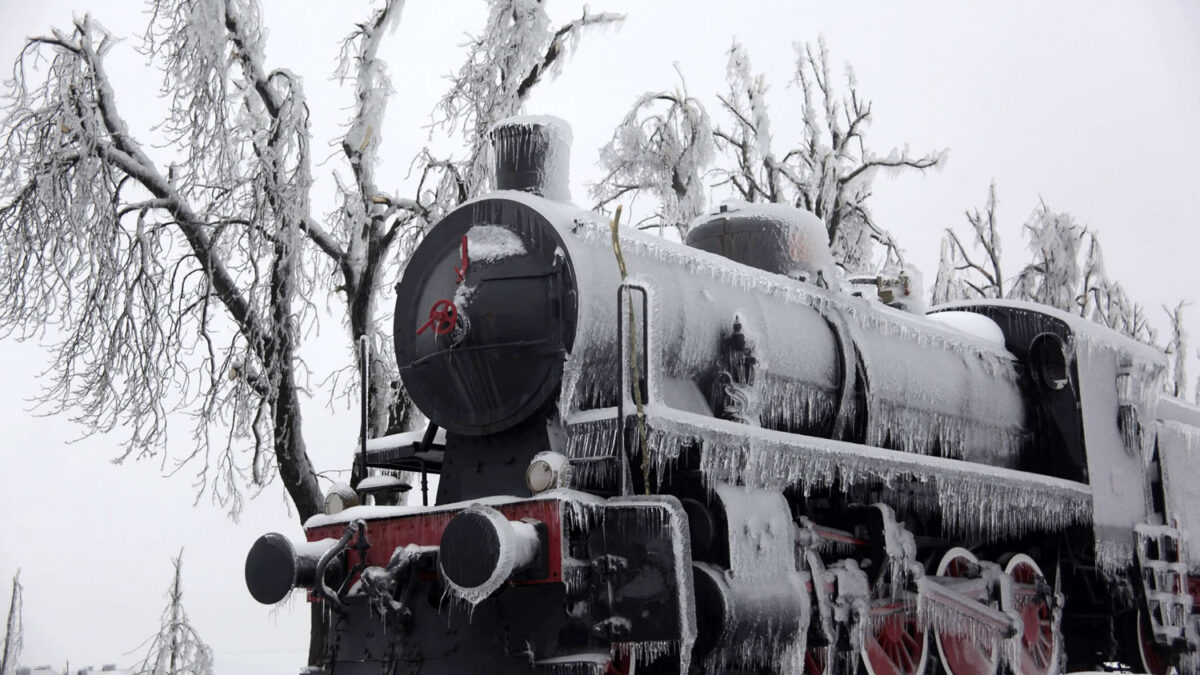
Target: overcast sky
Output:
[(1092, 107)]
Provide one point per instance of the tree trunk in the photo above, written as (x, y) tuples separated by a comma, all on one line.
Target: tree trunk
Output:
[(301, 483), (12, 632)]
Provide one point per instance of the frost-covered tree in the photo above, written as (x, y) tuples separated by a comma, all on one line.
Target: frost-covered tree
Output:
[(1177, 352), (1196, 392), (515, 51), (180, 280), (1066, 270), (10, 653), (1053, 277), (1105, 300), (661, 147), (177, 269), (828, 170), (960, 274), (751, 167), (177, 648)]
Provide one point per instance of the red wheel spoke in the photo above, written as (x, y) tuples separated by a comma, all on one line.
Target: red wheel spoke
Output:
[(897, 647), (1040, 640)]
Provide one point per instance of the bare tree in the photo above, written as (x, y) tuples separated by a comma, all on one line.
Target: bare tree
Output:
[(177, 271), (1054, 276), (829, 170), (662, 147), (516, 50), (11, 653), (960, 275), (1105, 300), (177, 648)]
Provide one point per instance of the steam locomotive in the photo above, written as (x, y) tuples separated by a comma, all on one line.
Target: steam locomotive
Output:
[(722, 457)]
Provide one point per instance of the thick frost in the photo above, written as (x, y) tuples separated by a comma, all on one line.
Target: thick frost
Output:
[(973, 324), (973, 499), (404, 440), (543, 135), (518, 545), (796, 385), (489, 243)]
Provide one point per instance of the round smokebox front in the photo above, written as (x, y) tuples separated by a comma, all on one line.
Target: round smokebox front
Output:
[(485, 315)]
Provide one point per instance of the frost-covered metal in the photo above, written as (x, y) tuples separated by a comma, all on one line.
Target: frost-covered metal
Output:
[(729, 456)]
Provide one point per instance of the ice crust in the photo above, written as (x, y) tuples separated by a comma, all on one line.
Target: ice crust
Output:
[(405, 440), (380, 482), (555, 133), (762, 550), (974, 500), (311, 551), (973, 324), (489, 243), (518, 543), (694, 296)]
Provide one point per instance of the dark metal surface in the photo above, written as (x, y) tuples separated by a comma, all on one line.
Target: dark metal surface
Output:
[(503, 359)]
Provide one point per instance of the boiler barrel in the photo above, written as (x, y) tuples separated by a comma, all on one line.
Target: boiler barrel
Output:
[(512, 300)]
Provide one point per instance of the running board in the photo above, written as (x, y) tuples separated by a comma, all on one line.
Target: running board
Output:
[(960, 597)]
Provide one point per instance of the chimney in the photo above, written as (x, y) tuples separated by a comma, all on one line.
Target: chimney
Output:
[(533, 154)]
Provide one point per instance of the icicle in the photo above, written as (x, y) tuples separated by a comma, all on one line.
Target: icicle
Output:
[(1113, 558), (973, 499), (868, 316)]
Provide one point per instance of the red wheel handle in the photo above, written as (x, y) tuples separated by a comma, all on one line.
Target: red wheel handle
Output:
[(442, 317)]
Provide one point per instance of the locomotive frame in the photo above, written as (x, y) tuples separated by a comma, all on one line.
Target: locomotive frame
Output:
[(721, 465)]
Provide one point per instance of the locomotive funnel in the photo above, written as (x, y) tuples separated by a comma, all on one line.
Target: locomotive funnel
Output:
[(533, 154)]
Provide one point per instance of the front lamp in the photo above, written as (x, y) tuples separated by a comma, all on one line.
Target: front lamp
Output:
[(339, 498), (547, 471)]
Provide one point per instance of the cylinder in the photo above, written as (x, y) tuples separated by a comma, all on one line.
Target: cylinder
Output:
[(749, 622), (481, 550), (538, 316), (275, 566), (533, 154)]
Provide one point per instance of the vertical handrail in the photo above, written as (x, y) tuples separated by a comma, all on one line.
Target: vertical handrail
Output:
[(638, 362), (634, 357)]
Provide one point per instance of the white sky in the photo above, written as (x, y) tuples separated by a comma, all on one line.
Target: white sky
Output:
[(1092, 106)]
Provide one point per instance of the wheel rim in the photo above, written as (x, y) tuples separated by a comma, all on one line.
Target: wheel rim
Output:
[(1152, 660), (897, 645), (959, 654), (622, 663), (1040, 638), (815, 660)]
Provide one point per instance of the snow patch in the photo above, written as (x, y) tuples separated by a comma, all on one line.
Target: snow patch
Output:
[(974, 324), (489, 243)]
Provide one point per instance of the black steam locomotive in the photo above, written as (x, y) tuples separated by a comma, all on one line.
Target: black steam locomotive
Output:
[(721, 457)]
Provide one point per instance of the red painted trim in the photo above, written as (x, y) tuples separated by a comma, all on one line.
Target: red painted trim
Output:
[(425, 529), (462, 271)]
